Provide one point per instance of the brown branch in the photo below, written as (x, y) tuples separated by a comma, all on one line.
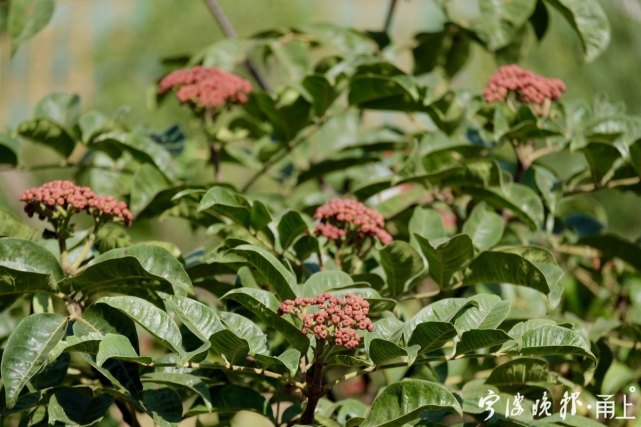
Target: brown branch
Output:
[(230, 33)]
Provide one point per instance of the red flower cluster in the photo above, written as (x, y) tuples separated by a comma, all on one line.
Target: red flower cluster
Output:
[(333, 317), (341, 218), (71, 198), (206, 87), (530, 87)]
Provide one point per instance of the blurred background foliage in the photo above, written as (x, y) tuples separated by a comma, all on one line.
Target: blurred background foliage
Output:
[(120, 48)]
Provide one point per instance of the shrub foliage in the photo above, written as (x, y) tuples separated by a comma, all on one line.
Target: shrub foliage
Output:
[(383, 247)]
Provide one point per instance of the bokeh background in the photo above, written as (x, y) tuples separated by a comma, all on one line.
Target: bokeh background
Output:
[(110, 53)]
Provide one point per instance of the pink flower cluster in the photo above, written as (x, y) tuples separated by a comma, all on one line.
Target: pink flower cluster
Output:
[(332, 317), (206, 87), (340, 218), (71, 198), (530, 87)]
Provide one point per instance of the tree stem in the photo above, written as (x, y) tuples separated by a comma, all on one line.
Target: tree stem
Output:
[(314, 388), (230, 33)]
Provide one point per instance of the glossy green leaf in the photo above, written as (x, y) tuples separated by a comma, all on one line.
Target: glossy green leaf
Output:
[(241, 338), (589, 21), (485, 227), (519, 371), (117, 347), (78, 406), (223, 201), (26, 267), (164, 405), (480, 338), (447, 258), (26, 19), (381, 351), (9, 149), (154, 320), (26, 351), (326, 281), (444, 310), (265, 305), (550, 339), (487, 312), (401, 262), (61, 108), (432, 335), (518, 198), (46, 132), (190, 382), (146, 184), (141, 265), (321, 92), (499, 21), (199, 318), (427, 223), (502, 267), (276, 275), (404, 401), (141, 146), (290, 227)]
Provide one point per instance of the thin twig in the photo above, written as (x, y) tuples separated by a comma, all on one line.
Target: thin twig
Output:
[(390, 15), (230, 32)]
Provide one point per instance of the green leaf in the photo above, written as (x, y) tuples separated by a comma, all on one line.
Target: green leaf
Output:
[(444, 310), (432, 335), (9, 149), (225, 202), (276, 275), (551, 339), (288, 361), (401, 262), (146, 184), (231, 398), (164, 405), (381, 350), (10, 226), (290, 226), (487, 312), (265, 306), (26, 267), (46, 132), (117, 347), (404, 401), (242, 337), (503, 267), (61, 108), (485, 227), (78, 406), (26, 351), (447, 258), (26, 19), (326, 281), (141, 146), (519, 371), (427, 223), (480, 338), (321, 92), (200, 319), (182, 380), (140, 265), (154, 320), (518, 198), (378, 92), (589, 21), (500, 20)]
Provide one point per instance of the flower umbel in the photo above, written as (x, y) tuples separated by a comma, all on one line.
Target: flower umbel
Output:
[(329, 317), (529, 87), (350, 219), (58, 200), (206, 87)]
